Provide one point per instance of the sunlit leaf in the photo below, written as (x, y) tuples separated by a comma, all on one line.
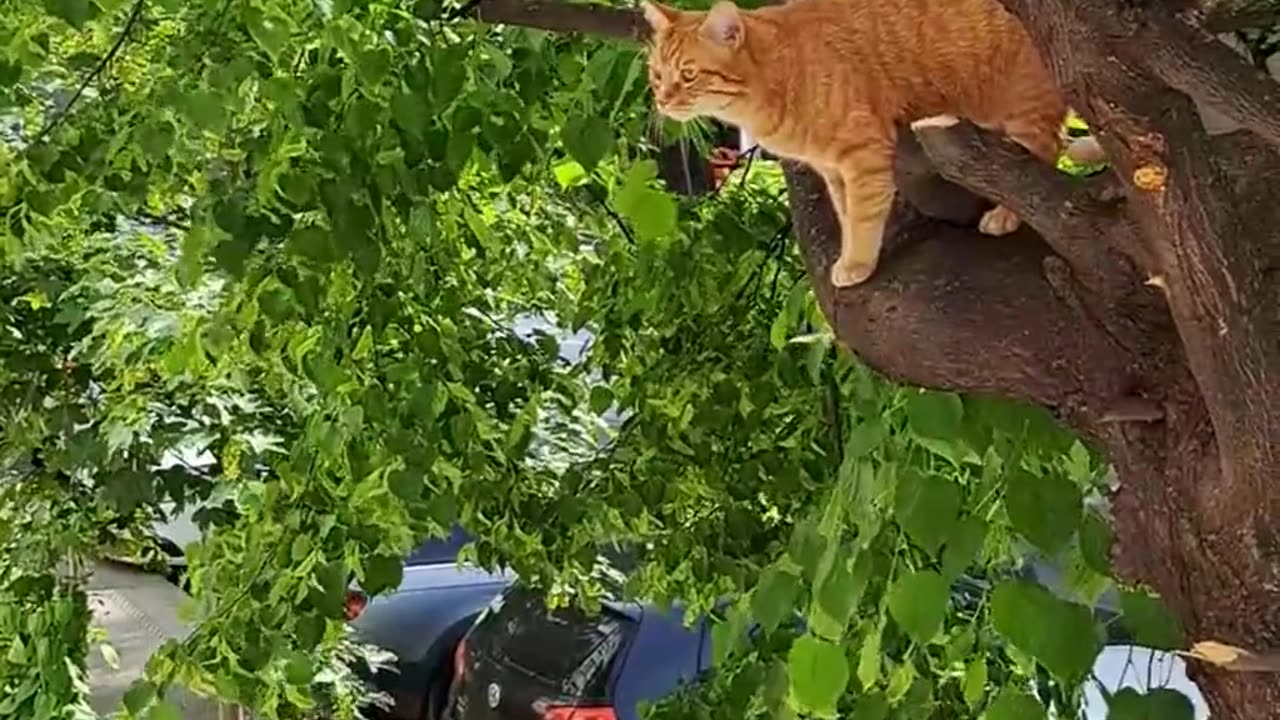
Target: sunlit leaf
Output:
[(818, 673)]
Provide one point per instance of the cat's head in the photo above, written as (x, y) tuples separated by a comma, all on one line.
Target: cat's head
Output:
[(695, 63)]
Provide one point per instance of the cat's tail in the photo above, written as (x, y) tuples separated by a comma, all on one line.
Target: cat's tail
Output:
[(1085, 151)]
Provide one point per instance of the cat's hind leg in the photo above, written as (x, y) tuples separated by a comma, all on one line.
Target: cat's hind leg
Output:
[(865, 170), (999, 220), (835, 192), (1043, 138)]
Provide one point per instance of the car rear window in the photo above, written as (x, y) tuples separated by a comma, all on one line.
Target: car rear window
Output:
[(439, 550), (566, 649)]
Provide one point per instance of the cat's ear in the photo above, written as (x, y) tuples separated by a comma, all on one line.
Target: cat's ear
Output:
[(659, 16), (723, 25)]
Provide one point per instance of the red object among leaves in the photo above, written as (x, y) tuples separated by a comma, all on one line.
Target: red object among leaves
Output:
[(723, 161), (355, 604), (565, 712)]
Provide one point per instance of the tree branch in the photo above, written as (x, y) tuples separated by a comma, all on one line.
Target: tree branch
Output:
[(61, 115), (1194, 62), (555, 16), (1068, 212)]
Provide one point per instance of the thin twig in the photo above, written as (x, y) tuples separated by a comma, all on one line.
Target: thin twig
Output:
[(62, 114), (617, 219)]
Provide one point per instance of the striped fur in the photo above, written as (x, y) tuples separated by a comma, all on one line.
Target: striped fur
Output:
[(827, 81)]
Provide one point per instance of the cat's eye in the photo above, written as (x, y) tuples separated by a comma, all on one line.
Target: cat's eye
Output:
[(688, 74)]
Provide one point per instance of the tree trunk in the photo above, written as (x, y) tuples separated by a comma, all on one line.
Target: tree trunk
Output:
[(1141, 306)]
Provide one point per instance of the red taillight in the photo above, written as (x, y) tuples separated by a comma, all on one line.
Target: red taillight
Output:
[(354, 604), (568, 712), (460, 660)]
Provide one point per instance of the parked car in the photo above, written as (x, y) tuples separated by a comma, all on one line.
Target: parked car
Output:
[(422, 621), (521, 661)]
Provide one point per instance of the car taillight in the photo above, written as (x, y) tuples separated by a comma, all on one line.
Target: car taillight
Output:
[(460, 660), (569, 712), (354, 604)]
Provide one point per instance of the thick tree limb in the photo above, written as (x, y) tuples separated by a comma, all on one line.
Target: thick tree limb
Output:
[(950, 308), (1196, 63)]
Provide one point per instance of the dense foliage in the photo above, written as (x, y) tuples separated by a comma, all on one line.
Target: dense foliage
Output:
[(304, 240)]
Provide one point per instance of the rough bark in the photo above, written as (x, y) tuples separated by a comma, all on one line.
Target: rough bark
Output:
[(1060, 313), (1177, 377)]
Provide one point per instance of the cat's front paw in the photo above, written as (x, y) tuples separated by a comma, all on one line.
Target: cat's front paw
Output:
[(846, 273), (999, 220)]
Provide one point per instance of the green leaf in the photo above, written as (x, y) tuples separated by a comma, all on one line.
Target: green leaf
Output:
[(331, 582), (901, 679), (271, 32), (1150, 621), (382, 572), (963, 545), (74, 12), (301, 547), (156, 138), (871, 706), (819, 675), (1158, 704), (774, 597), (588, 139), (411, 112), (1044, 510), (446, 81), (1095, 542), (806, 548), (139, 696), (651, 212), (839, 593), (865, 437), (10, 72), (164, 710), (1015, 704), (601, 399), (373, 65), (935, 415), (461, 147), (406, 485), (869, 658), (1060, 635), (297, 670), (918, 603), (975, 681), (728, 634), (926, 506), (205, 109)]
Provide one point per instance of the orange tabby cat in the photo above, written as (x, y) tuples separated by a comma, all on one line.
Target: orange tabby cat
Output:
[(826, 81)]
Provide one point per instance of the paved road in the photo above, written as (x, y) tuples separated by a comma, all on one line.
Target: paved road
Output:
[(139, 611)]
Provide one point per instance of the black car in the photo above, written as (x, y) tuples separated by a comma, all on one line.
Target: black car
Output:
[(521, 661)]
